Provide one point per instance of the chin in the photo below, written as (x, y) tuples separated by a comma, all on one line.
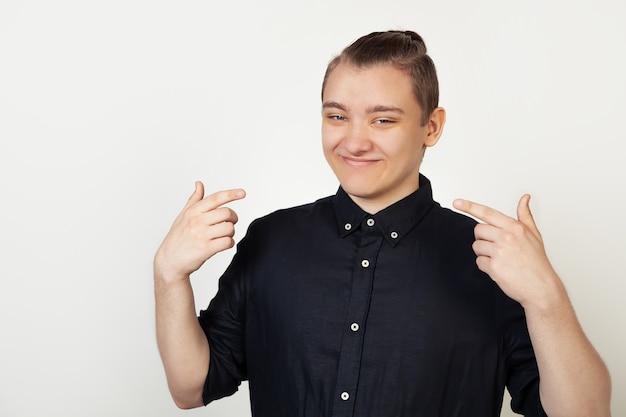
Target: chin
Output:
[(358, 190)]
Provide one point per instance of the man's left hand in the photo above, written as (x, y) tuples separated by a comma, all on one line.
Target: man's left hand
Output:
[(512, 252)]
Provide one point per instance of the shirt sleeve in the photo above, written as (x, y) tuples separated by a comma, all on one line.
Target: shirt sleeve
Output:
[(522, 373), (224, 323)]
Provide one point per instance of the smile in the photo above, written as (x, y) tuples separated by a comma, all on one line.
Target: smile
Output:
[(358, 162)]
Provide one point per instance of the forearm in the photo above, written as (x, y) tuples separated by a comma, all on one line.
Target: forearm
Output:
[(573, 378), (182, 344), (203, 228)]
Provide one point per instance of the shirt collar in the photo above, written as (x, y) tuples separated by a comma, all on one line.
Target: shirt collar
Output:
[(394, 222)]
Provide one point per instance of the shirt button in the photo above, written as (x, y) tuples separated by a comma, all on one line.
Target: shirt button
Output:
[(354, 327), (365, 263), (345, 396), (370, 222), (394, 235), (347, 226)]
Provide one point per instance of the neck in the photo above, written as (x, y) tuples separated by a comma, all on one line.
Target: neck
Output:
[(373, 205)]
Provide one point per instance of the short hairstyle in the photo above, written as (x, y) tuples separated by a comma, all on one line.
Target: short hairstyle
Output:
[(406, 51)]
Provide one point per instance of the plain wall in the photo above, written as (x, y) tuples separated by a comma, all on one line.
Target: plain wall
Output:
[(109, 111)]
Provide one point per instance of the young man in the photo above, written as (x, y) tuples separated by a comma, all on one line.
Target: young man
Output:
[(375, 301)]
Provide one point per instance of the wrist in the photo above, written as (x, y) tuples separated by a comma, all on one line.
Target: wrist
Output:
[(165, 272), (551, 300), (167, 276)]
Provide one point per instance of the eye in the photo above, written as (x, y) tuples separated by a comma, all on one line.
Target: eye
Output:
[(383, 121), (337, 117)]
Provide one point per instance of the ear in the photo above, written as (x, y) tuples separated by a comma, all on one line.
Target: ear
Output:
[(434, 126)]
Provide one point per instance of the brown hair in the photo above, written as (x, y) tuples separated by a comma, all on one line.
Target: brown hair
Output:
[(406, 51)]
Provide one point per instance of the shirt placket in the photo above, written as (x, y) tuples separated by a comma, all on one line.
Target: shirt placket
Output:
[(355, 324)]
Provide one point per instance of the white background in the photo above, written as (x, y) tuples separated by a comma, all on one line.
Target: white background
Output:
[(109, 111)]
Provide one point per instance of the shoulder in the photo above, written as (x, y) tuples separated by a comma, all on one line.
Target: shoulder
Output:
[(449, 222), (287, 229), (292, 218)]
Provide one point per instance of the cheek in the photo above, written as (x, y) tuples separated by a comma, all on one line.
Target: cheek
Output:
[(327, 150), (405, 152), (330, 139)]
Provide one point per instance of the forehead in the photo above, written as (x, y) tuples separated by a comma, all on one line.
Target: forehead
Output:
[(373, 85)]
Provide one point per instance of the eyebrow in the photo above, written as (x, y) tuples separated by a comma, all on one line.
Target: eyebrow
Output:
[(334, 105), (380, 108), (373, 109)]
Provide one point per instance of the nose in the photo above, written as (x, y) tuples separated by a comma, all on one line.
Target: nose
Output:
[(356, 140)]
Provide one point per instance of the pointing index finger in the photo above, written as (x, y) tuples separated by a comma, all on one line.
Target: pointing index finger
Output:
[(220, 198), (481, 212)]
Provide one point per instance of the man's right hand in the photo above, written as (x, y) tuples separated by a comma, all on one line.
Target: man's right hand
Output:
[(202, 229)]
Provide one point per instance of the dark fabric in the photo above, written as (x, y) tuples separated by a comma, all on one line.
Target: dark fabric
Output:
[(383, 318)]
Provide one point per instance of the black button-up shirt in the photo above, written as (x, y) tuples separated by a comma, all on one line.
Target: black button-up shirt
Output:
[(330, 311)]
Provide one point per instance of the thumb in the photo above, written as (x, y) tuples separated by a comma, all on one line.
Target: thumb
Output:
[(524, 215), (198, 194)]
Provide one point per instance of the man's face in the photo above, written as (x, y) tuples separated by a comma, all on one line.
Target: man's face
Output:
[(371, 133)]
